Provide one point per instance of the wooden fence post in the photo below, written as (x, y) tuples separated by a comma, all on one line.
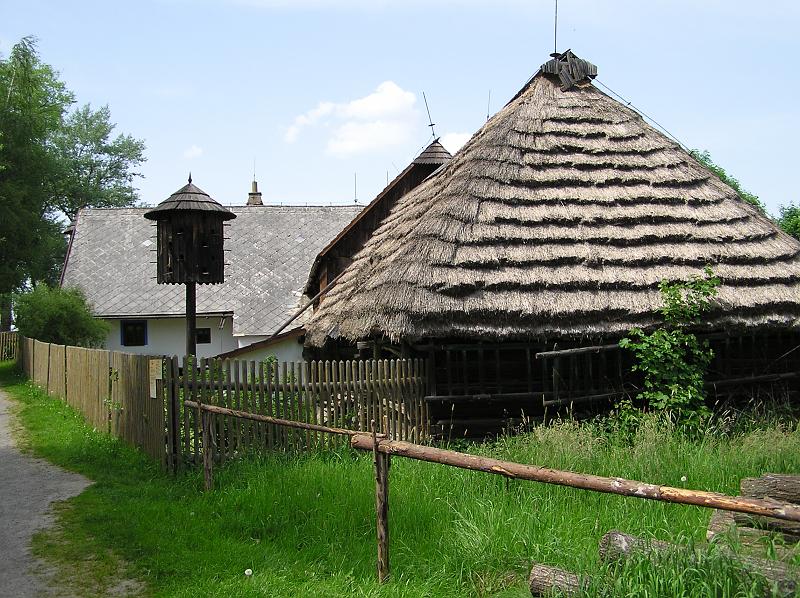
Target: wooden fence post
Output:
[(173, 415), (381, 461), (208, 452)]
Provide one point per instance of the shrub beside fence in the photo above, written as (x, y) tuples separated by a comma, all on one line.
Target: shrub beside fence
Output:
[(111, 390)]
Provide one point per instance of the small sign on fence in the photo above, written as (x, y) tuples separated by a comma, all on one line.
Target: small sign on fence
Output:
[(156, 369)]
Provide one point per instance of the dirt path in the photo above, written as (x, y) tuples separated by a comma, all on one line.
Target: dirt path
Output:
[(27, 488)]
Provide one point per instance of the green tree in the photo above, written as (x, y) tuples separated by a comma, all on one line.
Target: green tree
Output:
[(789, 220), (705, 159), (92, 168), (32, 104), (56, 315), (51, 165)]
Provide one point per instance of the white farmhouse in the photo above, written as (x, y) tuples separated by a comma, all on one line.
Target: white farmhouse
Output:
[(268, 250)]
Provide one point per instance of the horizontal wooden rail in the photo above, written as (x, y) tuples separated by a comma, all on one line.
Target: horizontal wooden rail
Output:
[(254, 386), (751, 379), (509, 469), (484, 397), (576, 351), (272, 420), (584, 398)]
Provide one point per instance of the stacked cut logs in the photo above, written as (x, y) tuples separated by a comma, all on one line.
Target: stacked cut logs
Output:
[(749, 529)]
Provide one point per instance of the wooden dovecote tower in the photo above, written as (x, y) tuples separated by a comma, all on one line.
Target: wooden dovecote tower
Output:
[(190, 246)]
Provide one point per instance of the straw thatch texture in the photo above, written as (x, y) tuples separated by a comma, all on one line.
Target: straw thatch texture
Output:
[(558, 219)]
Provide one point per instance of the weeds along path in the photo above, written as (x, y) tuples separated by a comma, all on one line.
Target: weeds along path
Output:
[(28, 486)]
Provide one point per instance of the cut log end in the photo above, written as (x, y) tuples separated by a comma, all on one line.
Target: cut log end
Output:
[(544, 580)]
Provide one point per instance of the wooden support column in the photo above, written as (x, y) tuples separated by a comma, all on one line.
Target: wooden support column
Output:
[(381, 462), (191, 319)]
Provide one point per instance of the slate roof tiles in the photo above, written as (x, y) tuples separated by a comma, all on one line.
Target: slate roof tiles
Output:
[(269, 251)]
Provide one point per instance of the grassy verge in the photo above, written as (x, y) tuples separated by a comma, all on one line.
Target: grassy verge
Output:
[(305, 525)]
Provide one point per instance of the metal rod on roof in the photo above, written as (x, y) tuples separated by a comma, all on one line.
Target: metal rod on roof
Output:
[(305, 307), (430, 120), (555, 32)]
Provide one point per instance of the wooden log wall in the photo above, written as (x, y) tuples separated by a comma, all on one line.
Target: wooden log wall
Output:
[(111, 390), (9, 345), (342, 394)]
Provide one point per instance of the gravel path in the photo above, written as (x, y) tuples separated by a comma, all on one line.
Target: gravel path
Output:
[(27, 488)]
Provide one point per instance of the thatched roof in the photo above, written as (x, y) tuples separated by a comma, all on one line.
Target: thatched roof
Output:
[(339, 252), (558, 219)]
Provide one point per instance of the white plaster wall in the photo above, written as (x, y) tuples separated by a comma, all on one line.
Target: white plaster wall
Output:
[(288, 349), (167, 336)]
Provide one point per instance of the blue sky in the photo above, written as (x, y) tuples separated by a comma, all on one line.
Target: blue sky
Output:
[(315, 91)]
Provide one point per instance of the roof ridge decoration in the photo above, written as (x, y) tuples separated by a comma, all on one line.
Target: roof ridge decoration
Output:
[(570, 69), (435, 153)]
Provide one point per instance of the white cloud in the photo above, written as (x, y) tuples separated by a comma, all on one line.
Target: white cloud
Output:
[(356, 137), (193, 151), (309, 118), (452, 142), (384, 118)]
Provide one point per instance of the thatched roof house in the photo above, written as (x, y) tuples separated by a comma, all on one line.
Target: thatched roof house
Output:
[(557, 220)]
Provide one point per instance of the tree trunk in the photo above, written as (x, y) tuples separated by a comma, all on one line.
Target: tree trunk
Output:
[(544, 579), (774, 485), (616, 545)]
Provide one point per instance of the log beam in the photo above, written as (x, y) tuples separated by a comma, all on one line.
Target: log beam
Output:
[(621, 486), (774, 485)]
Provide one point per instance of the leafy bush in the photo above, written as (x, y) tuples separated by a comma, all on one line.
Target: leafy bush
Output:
[(789, 220), (672, 360), (57, 315)]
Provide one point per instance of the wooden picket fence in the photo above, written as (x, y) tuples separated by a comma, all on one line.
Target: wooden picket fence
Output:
[(140, 399), (341, 394), (112, 390), (9, 343)]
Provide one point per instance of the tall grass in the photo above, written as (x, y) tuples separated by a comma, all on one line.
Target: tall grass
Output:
[(305, 525)]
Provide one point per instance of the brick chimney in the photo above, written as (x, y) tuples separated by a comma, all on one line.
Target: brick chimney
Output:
[(254, 197)]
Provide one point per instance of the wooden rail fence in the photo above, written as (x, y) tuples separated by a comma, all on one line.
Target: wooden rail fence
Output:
[(112, 390), (9, 343), (336, 394), (384, 448)]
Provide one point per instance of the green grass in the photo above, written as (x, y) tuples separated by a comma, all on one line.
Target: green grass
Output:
[(305, 525)]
